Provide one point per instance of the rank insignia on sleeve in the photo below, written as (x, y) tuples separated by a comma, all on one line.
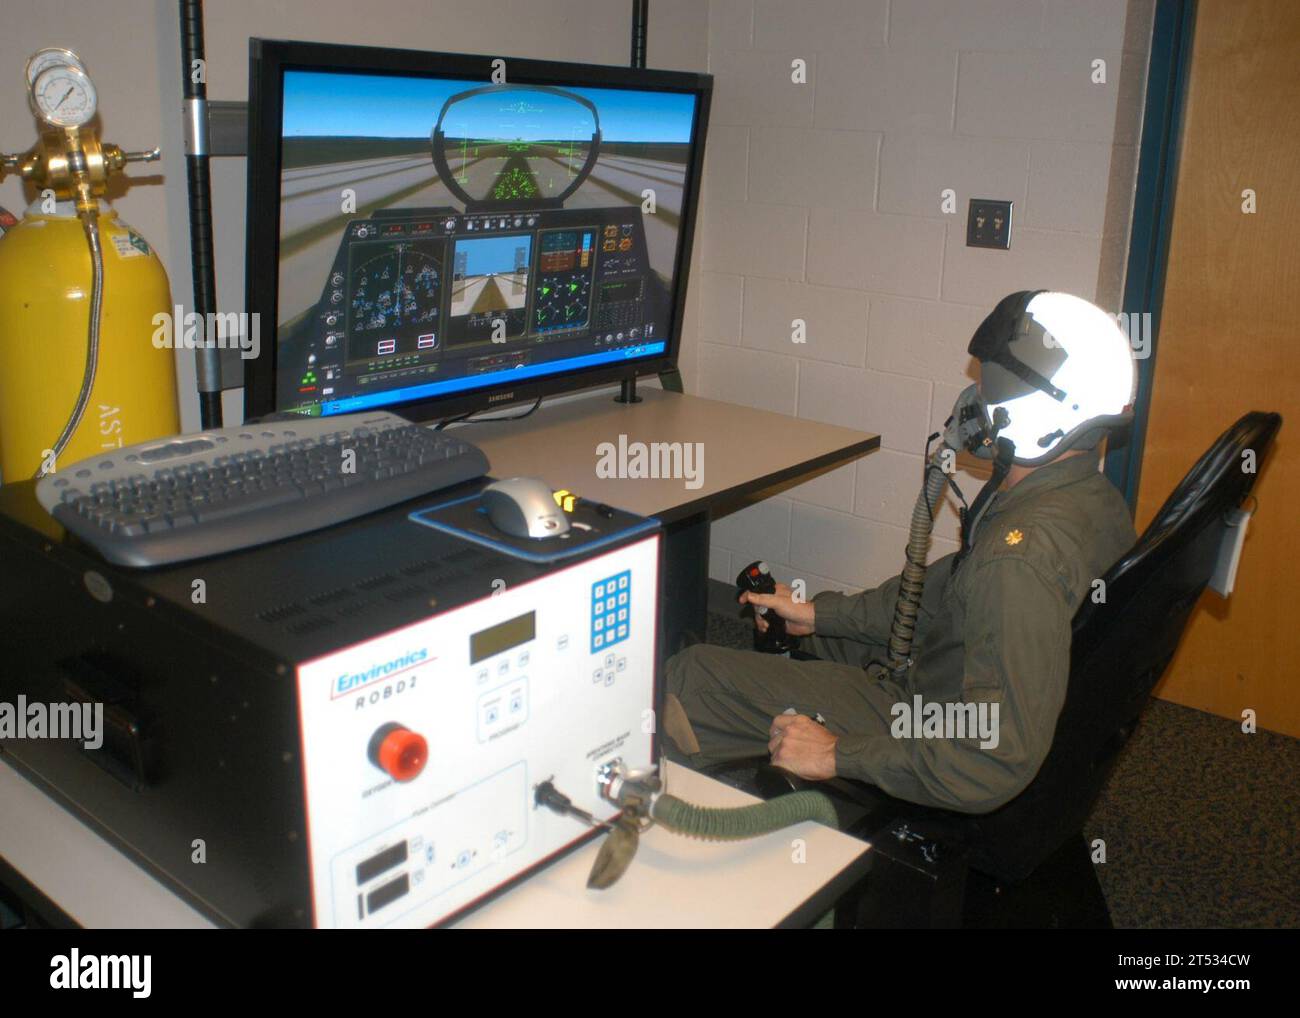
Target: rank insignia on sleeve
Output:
[(1014, 537)]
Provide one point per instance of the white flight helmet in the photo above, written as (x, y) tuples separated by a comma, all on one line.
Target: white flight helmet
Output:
[(1055, 372)]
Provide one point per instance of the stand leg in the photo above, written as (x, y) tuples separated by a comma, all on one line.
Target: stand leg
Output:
[(684, 594), (627, 391), (671, 380)]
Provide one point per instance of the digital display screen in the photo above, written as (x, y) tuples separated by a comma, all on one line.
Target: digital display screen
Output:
[(440, 235), (380, 862), (502, 636)]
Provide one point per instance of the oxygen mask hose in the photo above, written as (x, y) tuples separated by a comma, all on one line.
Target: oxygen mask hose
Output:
[(640, 795), (735, 823), (88, 212), (912, 582)]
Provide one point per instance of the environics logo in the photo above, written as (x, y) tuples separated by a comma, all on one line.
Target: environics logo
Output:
[(347, 682)]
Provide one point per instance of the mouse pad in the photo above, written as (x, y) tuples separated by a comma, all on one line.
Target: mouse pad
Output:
[(589, 528)]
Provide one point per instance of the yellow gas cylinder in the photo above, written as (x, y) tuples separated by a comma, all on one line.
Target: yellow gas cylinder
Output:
[(45, 299)]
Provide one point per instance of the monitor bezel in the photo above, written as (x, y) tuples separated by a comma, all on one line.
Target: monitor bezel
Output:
[(270, 58)]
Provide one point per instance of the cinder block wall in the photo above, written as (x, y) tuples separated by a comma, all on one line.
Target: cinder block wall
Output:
[(823, 203)]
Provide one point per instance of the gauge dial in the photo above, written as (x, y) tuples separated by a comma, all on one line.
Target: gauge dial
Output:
[(51, 56), (64, 96)]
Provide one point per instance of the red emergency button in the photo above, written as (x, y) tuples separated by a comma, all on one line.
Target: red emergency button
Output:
[(398, 751)]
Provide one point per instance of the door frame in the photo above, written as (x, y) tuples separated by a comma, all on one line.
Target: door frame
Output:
[(1168, 73)]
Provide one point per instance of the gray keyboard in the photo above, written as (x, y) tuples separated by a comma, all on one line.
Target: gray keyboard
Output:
[(216, 491)]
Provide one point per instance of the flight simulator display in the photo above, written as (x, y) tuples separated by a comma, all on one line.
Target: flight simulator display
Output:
[(442, 236)]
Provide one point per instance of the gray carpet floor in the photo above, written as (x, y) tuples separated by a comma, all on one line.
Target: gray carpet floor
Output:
[(1201, 822)]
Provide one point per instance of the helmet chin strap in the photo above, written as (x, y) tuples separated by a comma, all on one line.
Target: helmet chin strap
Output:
[(1005, 452)]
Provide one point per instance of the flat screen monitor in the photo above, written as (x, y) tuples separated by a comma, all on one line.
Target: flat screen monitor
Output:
[(435, 233)]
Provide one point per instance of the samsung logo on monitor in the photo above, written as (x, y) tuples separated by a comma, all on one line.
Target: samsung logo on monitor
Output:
[(500, 396)]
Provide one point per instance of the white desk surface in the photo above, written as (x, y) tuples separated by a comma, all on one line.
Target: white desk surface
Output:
[(745, 450), (677, 882), (674, 882)]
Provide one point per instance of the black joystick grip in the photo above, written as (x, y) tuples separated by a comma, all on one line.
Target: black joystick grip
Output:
[(757, 579)]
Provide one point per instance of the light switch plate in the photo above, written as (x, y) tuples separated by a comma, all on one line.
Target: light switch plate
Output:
[(989, 223)]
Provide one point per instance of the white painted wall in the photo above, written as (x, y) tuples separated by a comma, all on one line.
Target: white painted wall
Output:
[(822, 202)]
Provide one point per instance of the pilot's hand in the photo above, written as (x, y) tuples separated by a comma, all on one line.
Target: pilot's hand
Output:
[(800, 744), (799, 616)]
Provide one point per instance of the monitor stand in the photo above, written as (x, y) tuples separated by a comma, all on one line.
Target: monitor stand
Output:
[(627, 391), (670, 380)]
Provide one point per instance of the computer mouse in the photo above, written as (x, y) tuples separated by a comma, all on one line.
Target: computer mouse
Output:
[(524, 507)]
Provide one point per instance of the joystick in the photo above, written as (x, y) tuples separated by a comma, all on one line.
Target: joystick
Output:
[(757, 579)]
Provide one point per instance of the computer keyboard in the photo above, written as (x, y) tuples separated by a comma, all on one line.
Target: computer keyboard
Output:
[(216, 491)]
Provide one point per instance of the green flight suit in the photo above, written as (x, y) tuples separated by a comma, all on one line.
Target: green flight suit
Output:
[(995, 631)]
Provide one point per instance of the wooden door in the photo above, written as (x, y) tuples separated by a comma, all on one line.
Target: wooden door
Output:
[(1230, 342)]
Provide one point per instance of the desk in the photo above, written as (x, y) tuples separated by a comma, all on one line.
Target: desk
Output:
[(677, 882), (674, 882), (745, 452)]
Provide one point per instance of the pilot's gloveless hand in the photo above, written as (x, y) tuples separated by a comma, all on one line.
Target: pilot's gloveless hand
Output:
[(801, 745), (800, 616)]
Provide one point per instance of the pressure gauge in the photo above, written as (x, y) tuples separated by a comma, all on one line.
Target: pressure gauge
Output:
[(51, 56), (64, 96)]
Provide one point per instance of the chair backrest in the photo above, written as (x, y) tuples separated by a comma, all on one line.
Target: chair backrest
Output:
[(1120, 649)]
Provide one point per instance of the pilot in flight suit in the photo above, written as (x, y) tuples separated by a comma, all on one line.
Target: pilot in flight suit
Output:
[(994, 624)]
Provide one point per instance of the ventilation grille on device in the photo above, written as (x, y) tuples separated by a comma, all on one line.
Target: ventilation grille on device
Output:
[(421, 580)]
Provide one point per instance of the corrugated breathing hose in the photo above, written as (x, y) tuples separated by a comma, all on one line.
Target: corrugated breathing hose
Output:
[(714, 824), (912, 582), (722, 824)]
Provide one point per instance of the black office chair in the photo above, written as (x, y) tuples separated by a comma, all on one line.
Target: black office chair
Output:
[(1026, 864)]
